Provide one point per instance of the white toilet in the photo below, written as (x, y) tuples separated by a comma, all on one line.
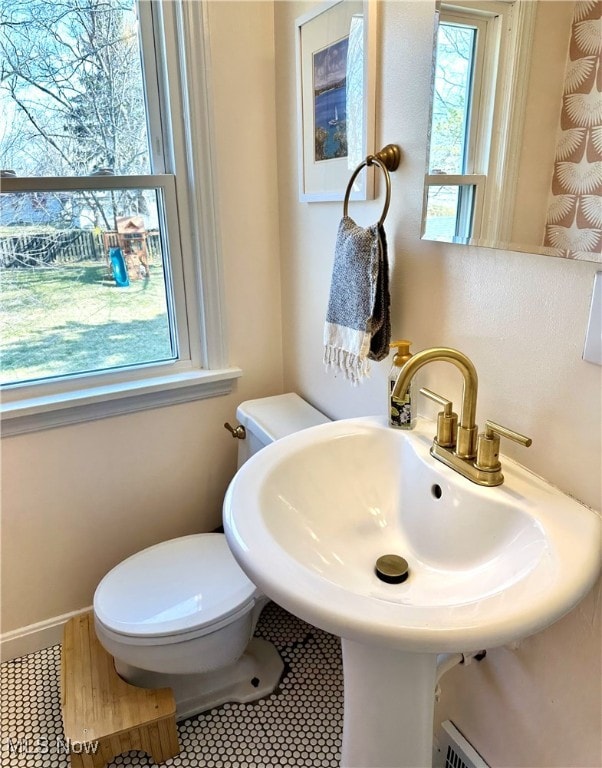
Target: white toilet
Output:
[(181, 614)]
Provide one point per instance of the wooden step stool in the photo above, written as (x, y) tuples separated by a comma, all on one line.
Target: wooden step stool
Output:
[(103, 716)]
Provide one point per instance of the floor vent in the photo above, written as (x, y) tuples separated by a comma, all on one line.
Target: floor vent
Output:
[(453, 751)]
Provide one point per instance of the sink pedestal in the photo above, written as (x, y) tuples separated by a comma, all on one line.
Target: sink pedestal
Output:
[(388, 710)]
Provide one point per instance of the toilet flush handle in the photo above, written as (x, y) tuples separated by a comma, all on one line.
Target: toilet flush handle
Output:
[(238, 432)]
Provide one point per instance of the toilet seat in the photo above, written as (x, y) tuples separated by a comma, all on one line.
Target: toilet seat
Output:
[(174, 591)]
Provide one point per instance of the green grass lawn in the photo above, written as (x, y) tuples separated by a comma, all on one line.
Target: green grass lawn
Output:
[(71, 319)]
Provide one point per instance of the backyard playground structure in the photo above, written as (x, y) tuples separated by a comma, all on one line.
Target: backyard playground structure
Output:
[(43, 246), (126, 250)]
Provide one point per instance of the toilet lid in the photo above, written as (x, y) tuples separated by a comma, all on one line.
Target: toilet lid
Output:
[(175, 587)]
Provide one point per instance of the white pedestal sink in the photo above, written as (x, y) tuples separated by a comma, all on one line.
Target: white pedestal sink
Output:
[(309, 515)]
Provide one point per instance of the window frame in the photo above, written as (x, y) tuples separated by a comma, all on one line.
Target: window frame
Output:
[(480, 108), (175, 49), (508, 32), (470, 200)]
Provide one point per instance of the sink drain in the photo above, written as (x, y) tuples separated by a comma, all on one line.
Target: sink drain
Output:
[(392, 569)]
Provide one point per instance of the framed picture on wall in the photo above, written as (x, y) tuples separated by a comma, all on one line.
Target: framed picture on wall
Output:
[(335, 98)]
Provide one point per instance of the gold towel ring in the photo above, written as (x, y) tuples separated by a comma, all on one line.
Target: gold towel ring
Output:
[(387, 160)]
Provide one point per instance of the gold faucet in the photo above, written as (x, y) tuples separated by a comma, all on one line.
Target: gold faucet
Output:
[(474, 456)]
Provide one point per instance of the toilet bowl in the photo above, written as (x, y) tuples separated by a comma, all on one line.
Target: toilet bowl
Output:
[(182, 613)]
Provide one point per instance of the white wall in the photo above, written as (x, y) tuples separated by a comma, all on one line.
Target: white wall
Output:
[(76, 500), (522, 319)]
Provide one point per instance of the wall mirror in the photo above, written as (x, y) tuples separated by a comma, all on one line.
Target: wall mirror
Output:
[(515, 142)]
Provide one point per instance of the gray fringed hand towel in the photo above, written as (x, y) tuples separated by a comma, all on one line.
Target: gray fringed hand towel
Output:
[(358, 325)]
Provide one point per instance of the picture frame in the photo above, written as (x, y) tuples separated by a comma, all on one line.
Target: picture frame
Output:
[(335, 51)]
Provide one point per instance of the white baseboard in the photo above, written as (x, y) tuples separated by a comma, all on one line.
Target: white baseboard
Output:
[(20, 642)]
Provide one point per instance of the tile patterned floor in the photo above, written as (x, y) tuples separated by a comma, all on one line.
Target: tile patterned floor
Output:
[(299, 725)]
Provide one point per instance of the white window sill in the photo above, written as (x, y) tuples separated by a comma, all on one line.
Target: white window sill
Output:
[(38, 413)]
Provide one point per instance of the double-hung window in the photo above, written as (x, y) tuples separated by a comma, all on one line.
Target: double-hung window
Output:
[(462, 99), (472, 127), (110, 296)]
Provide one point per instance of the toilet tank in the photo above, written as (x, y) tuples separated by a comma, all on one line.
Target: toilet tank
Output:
[(270, 418)]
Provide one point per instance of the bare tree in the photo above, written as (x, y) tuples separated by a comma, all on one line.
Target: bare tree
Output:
[(451, 97), (71, 80), (72, 96)]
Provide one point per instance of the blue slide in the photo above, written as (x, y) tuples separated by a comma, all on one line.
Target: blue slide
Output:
[(118, 268)]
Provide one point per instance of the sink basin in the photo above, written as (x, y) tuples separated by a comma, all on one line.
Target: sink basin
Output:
[(308, 516)]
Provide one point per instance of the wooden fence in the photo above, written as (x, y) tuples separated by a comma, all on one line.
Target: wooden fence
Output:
[(61, 247)]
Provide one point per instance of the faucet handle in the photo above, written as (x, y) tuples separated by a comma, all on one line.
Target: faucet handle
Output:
[(447, 420), (488, 445), (491, 427)]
